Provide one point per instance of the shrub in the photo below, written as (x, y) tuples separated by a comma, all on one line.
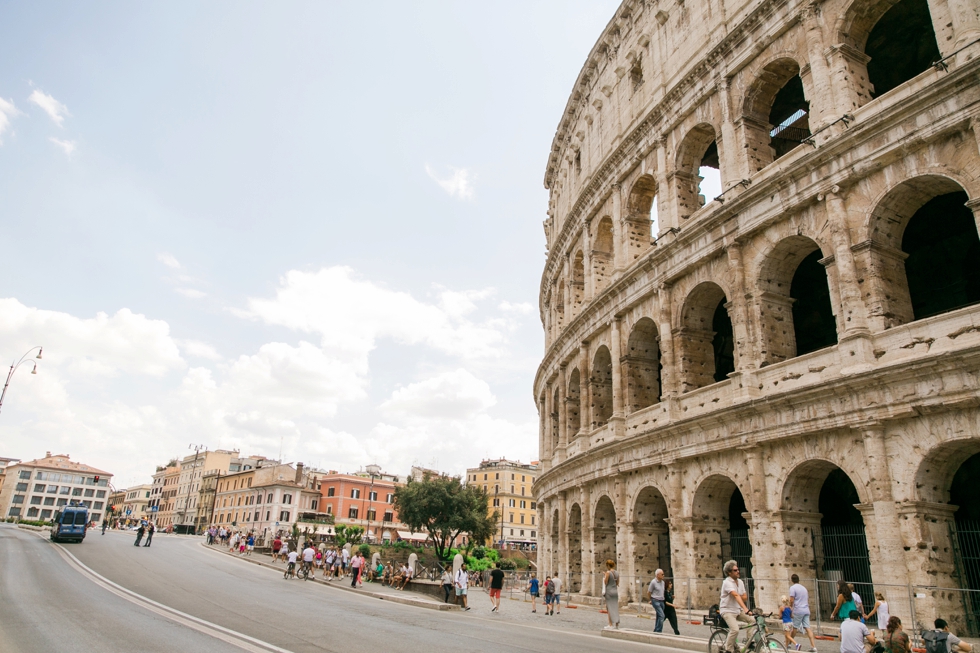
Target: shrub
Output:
[(508, 563), (365, 551)]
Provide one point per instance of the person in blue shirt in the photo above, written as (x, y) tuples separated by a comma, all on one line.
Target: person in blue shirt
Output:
[(534, 590), (786, 612)]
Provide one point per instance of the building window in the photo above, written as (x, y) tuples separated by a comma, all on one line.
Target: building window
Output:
[(35, 501), (65, 489), (496, 476), (522, 521), (45, 514), (511, 503), (533, 534), (496, 503), (14, 512), (532, 520), (522, 479), (330, 491), (258, 499), (39, 487), (267, 513), (512, 531), (287, 499), (389, 516), (390, 498), (98, 505), (522, 533), (52, 489), (329, 509), (372, 515), (355, 493), (49, 501), (268, 498), (284, 516), (21, 487), (523, 504), (100, 494), (372, 496), (18, 498), (522, 490), (484, 477), (352, 513), (511, 518), (534, 506), (25, 475), (313, 504), (512, 477)]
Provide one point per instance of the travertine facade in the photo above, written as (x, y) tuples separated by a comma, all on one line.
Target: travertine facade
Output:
[(796, 357)]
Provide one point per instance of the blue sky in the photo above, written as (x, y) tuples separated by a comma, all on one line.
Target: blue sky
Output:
[(240, 224)]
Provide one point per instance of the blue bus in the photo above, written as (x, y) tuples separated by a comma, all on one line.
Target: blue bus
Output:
[(70, 524)]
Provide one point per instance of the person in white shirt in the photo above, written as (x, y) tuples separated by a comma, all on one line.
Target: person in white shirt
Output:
[(309, 554), (556, 599), (291, 567), (732, 603), (462, 582), (853, 633)]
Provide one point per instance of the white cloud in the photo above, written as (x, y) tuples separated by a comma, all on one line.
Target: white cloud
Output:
[(460, 184), (191, 293), (7, 113), (169, 260), (523, 308), (452, 395), (55, 110), (67, 146), (199, 349)]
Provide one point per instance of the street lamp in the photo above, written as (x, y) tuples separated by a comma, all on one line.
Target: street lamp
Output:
[(14, 366)]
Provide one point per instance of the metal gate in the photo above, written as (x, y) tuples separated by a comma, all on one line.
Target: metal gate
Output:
[(841, 553), (965, 537), (742, 554)]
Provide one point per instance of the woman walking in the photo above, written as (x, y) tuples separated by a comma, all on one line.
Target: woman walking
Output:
[(845, 601), (669, 609), (880, 609), (610, 592)]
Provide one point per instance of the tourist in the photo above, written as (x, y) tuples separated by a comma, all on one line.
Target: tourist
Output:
[(496, 585), (276, 547), (857, 600), (549, 595), (786, 614), (461, 581), (669, 608), (731, 604), (355, 570), (150, 530), (447, 583), (656, 591), (309, 553), (250, 544), (880, 609), (799, 600), (291, 557), (895, 639), (935, 639), (610, 592), (853, 633), (534, 591), (344, 560), (845, 601), (556, 599), (139, 534)]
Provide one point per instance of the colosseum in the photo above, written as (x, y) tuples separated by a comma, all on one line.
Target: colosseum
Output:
[(784, 370)]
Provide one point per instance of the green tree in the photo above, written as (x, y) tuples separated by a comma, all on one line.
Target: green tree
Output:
[(445, 508), (365, 551)]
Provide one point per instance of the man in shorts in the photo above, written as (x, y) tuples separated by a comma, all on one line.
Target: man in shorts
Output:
[(276, 548), (496, 585), (549, 594), (799, 601), (291, 567), (461, 582), (556, 601)]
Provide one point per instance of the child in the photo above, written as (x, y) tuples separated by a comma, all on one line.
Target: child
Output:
[(786, 613)]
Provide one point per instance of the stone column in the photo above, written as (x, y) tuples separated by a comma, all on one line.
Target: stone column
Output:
[(767, 588), (727, 142), (618, 419), (668, 375), (746, 358), (974, 204), (562, 569), (823, 95), (619, 229), (543, 419), (666, 209), (849, 75), (624, 552), (587, 262), (562, 416), (588, 542), (585, 389), (547, 450)]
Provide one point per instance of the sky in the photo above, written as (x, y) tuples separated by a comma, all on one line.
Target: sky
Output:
[(301, 229)]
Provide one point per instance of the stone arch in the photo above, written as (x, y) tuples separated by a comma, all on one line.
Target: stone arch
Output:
[(916, 223), (652, 537), (574, 579), (706, 338), (934, 476), (573, 404), (721, 532), (603, 254), (604, 535), (577, 283), (642, 367), (698, 148), (775, 113), (896, 38), (601, 387), (641, 216), (795, 303)]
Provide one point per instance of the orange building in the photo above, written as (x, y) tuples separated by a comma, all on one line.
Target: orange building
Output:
[(364, 499)]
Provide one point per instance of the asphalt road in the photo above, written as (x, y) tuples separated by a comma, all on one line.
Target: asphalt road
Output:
[(179, 596)]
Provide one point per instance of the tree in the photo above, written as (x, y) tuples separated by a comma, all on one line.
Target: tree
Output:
[(445, 508)]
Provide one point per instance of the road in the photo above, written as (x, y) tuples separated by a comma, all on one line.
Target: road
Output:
[(177, 595)]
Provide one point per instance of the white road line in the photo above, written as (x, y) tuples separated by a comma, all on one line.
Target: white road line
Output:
[(227, 635)]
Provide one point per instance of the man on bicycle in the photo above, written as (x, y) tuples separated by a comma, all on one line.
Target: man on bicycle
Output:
[(732, 604), (291, 567), (309, 553)]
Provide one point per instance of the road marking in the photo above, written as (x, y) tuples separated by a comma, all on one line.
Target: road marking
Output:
[(233, 637)]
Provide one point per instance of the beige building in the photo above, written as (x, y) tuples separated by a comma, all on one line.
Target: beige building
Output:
[(35, 489), (192, 470), (163, 494), (265, 500), (510, 486), (4, 463), (787, 373), (135, 502)]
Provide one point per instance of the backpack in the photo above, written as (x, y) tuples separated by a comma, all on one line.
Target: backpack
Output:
[(935, 640), (713, 618), (549, 587)]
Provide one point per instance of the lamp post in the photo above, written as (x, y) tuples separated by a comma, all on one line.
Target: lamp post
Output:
[(14, 366)]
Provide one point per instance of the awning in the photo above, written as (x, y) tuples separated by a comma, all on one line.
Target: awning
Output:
[(406, 535)]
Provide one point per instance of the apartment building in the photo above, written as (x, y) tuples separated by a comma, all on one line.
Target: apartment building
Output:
[(364, 499), (35, 489), (265, 499), (510, 485), (135, 502)]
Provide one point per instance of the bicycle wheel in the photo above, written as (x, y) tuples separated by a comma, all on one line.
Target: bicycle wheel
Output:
[(773, 645), (717, 641)]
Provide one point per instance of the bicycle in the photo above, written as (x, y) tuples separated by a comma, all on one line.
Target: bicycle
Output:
[(758, 638), (290, 570), (304, 571)]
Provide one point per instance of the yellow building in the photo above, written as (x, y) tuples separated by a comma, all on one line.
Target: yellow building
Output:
[(510, 485)]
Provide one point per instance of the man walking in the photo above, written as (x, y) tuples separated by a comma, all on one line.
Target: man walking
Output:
[(657, 599), (799, 601), (496, 585), (139, 534), (150, 530), (732, 603), (556, 600), (355, 570), (462, 581)]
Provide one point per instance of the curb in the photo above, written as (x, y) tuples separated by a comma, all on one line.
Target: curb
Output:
[(404, 600), (657, 639)]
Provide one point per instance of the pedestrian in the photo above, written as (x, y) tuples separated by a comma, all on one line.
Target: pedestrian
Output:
[(549, 595), (328, 559), (610, 592), (896, 641), (150, 530), (731, 604), (786, 614), (461, 581), (881, 610), (940, 640), (291, 557), (857, 600), (799, 601), (534, 591), (853, 633), (556, 601), (355, 570), (670, 610), (447, 583), (845, 601), (656, 590), (250, 542), (276, 547), (496, 586), (105, 525), (345, 560), (139, 534)]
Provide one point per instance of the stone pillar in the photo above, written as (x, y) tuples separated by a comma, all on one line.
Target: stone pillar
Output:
[(619, 230), (562, 569), (666, 209), (849, 75), (618, 419), (543, 419), (585, 388), (587, 262), (668, 375), (682, 549), (731, 174), (767, 588), (559, 454), (822, 98), (624, 541), (746, 357), (588, 542), (974, 204), (549, 434)]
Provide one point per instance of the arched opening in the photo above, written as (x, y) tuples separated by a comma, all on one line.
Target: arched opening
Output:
[(722, 533), (839, 545), (602, 255), (707, 338), (604, 538), (775, 113), (577, 284), (965, 493), (601, 387), (642, 221), (573, 405), (697, 156), (943, 253), (642, 367), (901, 45), (555, 419), (795, 308), (652, 536), (555, 536), (574, 580)]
